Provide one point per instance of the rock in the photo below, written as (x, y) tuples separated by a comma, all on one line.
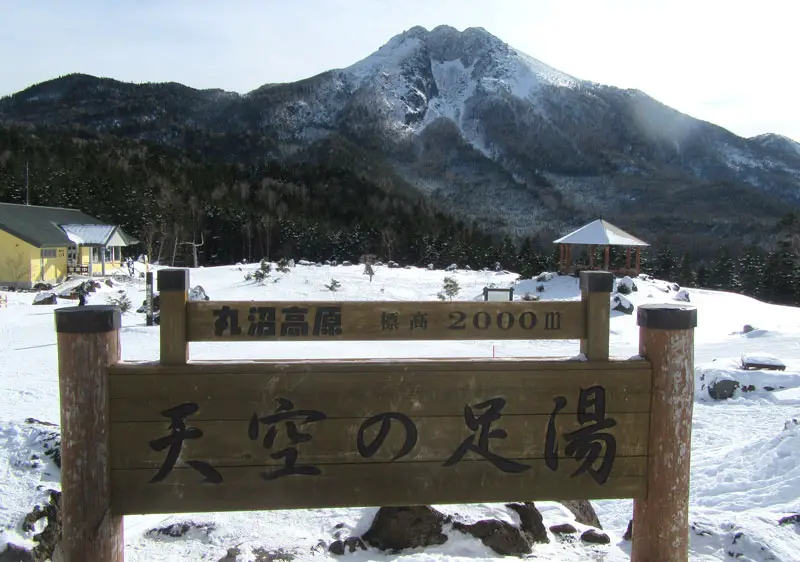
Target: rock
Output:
[(198, 294), (109, 283), (407, 267), (156, 305), (497, 266), (327, 262), (451, 267), (180, 529), (14, 553), (530, 521), (231, 556), (595, 537), (583, 511), (345, 262), (628, 532), (430, 267), (45, 298), (49, 538), (544, 276), (722, 389), (674, 286), (621, 304), (350, 544), (396, 528), (392, 264), (49, 439), (501, 536), (682, 296), (626, 286), (304, 262), (42, 287), (563, 529), (790, 519), (747, 328)]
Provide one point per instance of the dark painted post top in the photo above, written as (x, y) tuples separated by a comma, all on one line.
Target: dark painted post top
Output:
[(667, 316), (93, 319), (173, 280), (597, 281)]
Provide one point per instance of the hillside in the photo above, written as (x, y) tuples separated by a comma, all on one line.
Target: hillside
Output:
[(489, 133), (745, 470)]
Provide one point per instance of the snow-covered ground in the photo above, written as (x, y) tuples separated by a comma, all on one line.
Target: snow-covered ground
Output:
[(745, 450)]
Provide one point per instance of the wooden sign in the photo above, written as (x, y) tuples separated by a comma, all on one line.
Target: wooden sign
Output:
[(216, 437), (394, 320)]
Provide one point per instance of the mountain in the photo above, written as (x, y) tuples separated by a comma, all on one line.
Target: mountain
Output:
[(489, 133)]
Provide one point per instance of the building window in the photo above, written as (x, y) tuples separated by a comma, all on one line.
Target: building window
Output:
[(49, 253), (95, 255), (72, 254), (109, 253)]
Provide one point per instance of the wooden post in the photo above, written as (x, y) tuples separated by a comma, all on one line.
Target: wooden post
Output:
[(638, 260), (173, 287), (148, 281), (596, 287), (628, 260), (661, 521), (88, 342), (607, 260), (591, 256)]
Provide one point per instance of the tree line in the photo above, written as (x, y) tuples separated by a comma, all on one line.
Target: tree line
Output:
[(188, 209)]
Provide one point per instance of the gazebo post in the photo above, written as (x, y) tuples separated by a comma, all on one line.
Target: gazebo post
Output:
[(607, 258), (638, 259), (591, 256), (627, 260), (561, 258)]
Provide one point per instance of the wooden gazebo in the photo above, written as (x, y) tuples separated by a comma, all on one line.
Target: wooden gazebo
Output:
[(604, 234)]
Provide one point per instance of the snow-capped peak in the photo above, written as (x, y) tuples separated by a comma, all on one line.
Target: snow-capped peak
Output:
[(773, 140), (421, 75)]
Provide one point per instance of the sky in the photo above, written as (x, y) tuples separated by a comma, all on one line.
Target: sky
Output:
[(731, 63)]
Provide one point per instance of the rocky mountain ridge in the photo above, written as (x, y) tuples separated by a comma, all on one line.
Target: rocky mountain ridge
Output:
[(490, 133)]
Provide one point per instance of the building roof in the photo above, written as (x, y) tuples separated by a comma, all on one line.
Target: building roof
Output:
[(48, 227), (602, 233)]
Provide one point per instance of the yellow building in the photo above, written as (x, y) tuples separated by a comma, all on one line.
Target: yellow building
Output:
[(45, 244)]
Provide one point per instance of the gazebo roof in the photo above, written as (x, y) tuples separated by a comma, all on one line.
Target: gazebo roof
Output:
[(601, 233)]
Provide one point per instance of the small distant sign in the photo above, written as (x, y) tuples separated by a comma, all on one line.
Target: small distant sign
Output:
[(493, 294)]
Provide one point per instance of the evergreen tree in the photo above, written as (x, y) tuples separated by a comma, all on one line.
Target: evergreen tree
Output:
[(751, 272), (723, 274)]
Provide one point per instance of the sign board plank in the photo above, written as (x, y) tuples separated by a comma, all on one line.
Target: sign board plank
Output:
[(388, 320), (230, 443), (364, 390), (355, 485), (315, 432)]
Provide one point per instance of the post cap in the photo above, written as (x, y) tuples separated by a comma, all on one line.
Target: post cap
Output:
[(667, 316), (597, 281), (92, 319), (173, 279)]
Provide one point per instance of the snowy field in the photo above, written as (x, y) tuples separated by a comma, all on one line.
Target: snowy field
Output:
[(745, 450)]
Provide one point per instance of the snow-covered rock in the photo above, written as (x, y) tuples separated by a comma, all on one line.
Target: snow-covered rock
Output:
[(45, 297), (198, 294), (621, 304), (682, 296)]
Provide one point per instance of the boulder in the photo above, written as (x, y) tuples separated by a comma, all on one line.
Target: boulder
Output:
[(583, 511), (430, 267), (451, 267), (350, 544), (563, 529), (345, 263), (505, 538), (722, 389), (14, 553), (621, 304), (501, 536), (392, 264), (595, 537), (49, 538), (42, 287), (628, 532), (682, 296), (198, 294), (45, 298), (747, 328), (790, 520), (397, 528)]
